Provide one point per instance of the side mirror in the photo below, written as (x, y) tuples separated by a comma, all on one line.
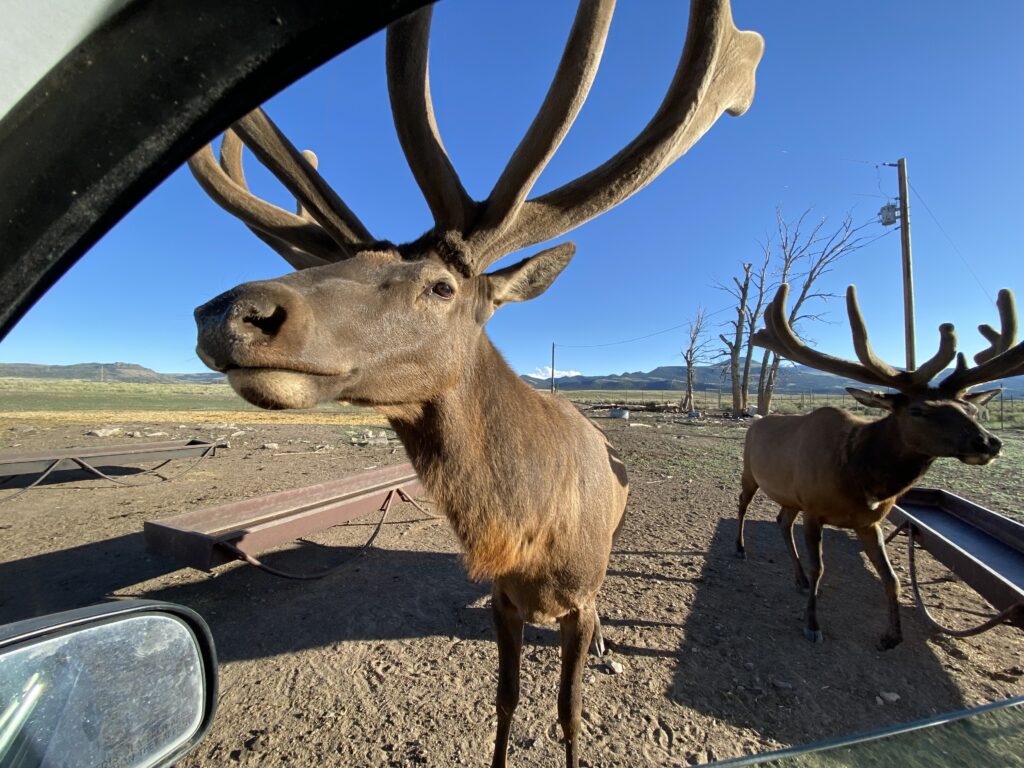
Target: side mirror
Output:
[(129, 683)]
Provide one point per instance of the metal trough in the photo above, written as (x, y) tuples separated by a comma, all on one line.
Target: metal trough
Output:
[(44, 463), (980, 546), (197, 539)]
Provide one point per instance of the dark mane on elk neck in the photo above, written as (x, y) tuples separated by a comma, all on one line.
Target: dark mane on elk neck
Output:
[(533, 490), (843, 470)]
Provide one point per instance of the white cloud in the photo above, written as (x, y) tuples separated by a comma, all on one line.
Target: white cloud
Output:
[(544, 372)]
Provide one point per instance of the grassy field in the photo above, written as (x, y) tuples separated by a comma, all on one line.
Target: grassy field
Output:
[(69, 399), (61, 399)]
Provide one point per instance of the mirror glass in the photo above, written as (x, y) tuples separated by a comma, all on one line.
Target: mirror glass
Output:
[(127, 692)]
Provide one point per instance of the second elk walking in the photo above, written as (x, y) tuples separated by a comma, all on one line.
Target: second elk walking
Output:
[(847, 471)]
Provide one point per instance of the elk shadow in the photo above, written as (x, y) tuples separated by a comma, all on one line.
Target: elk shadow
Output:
[(74, 577), (744, 658), (376, 594)]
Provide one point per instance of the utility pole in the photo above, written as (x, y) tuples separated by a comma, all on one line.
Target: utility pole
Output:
[(908, 269), (887, 217), (552, 367)]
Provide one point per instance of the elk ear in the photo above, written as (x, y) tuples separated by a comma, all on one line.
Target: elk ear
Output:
[(873, 399), (978, 399), (530, 277)]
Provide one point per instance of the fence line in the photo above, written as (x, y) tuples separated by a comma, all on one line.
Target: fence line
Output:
[(1005, 412)]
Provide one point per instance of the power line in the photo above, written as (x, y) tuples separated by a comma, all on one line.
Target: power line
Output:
[(955, 249), (879, 237), (717, 311), (645, 336), (707, 314)]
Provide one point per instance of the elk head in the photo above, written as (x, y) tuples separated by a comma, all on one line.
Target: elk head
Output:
[(375, 323), (933, 421)]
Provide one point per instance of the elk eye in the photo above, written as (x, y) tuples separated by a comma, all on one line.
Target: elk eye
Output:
[(442, 289), (916, 412)]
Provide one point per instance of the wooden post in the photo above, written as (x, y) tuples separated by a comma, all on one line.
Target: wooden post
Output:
[(908, 270)]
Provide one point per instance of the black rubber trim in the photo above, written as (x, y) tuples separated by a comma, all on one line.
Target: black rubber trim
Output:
[(132, 102)]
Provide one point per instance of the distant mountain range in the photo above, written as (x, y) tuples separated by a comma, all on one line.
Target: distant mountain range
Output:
[(795, 379), (120, 372), (792, 378)]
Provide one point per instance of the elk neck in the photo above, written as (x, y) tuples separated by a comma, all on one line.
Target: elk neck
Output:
[(490, 451), (879, 462)]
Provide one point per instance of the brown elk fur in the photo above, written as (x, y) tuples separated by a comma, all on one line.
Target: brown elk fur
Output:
[(532, 489), (846, 471), (525, 519)]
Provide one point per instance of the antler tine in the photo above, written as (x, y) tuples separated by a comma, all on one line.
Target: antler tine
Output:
[(231, 161), (862, 346), (778, 336), (1002, 340), (564, 99), (291, 168), (314, 162), (413, 112), (715, 75), (1000, 360), (935, 365), (259, 215)]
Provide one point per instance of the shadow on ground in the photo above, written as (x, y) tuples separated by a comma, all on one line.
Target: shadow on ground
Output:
[(377, 594), (744, 658)]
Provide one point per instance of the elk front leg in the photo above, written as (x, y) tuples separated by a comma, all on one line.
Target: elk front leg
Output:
[(786, 518), (812, 537), (509, 628), (746, 494), (874, 545), (577, 628)]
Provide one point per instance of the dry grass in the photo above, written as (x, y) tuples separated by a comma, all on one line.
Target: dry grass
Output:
[(70, 401), (361, 417)]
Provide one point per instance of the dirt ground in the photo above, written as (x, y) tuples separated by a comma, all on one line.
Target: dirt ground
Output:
[(390, 661)]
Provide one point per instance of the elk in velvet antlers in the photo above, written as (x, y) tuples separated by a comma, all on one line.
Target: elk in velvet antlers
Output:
[(846, 471), (532, 489)]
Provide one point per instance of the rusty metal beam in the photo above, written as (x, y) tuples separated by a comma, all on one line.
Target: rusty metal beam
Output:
[(255, 525), (32, 462)]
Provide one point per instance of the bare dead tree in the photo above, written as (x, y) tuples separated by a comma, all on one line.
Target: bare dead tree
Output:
[(755, 307), (693, 355), (734, 346), (804, 256)]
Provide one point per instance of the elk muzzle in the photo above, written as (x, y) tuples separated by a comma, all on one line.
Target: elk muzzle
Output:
[(984, 448), (260, 335), (256, 325)]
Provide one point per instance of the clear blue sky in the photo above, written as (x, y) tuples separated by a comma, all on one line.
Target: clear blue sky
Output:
[(842, 87)]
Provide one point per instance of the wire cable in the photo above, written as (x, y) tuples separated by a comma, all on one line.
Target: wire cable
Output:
[(645, 336), (948, 238)]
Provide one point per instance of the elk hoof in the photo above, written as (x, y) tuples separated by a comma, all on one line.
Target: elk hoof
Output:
[(888, 642), (814, 635), (741, 553)]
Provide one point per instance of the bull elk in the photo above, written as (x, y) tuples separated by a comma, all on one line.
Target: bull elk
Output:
[(846, 471), (533, 490)]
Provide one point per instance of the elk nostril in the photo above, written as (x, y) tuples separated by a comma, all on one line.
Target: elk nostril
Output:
[(989, 444), (269, 323)]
